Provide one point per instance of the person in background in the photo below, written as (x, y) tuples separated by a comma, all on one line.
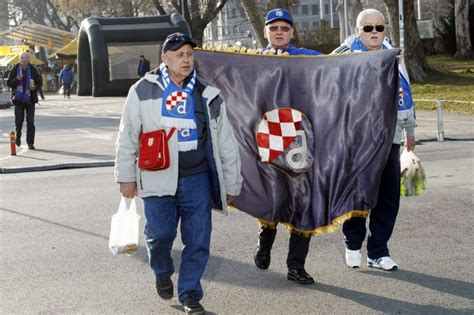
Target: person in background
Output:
[(40, 89), (143, 66), (66, 77), (24, 81)]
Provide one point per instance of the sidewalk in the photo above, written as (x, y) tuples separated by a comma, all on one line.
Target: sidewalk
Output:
[(73, 139)]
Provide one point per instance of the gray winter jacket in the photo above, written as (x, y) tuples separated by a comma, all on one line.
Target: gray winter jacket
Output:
[(143, 110)]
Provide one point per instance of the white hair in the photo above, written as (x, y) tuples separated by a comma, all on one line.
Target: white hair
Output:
[(24, 54), (369, 12)]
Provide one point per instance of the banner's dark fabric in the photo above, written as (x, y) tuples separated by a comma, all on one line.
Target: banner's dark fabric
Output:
[(350, 102)]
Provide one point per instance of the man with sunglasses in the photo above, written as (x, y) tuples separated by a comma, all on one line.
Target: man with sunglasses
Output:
[(279, 31), (370, 36), (204, 171)]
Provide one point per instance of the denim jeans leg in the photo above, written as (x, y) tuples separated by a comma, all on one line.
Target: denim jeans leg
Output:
[(194, 195), (160, 232)]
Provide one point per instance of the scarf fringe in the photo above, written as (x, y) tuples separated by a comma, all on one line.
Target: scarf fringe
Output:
[(185, 146), (178, 123), (334, 226)]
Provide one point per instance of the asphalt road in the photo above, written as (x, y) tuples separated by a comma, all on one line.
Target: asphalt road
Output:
[(54, 234)]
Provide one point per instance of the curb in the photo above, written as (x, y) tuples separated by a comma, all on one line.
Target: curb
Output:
[(72, 165)]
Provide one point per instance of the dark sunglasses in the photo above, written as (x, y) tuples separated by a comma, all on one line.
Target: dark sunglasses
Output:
[(369, 28), (275, 28)]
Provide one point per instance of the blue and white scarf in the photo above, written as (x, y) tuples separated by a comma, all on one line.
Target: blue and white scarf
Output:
[(177, 110), (23, 93), (405, 101)]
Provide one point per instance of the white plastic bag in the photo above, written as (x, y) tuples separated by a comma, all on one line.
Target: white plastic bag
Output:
[(124, 229), (412, 174)]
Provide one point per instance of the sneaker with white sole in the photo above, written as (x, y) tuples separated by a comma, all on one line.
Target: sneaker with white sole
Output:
[(384, 263), (353, 258)]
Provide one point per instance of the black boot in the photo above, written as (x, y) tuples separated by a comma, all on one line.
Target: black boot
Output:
[(266, 236), (298, 250)]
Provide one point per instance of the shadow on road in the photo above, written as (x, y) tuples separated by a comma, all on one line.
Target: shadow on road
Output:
[(79, 154), (55, 223), (384, 304), (450, 286)]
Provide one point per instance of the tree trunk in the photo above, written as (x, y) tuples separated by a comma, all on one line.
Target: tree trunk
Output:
[(443, 25), (255, 19), (353, 9), (415, 58), (463, 36), (391, 6)]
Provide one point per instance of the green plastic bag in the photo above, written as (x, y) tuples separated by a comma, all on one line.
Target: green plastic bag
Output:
[(412, 175)]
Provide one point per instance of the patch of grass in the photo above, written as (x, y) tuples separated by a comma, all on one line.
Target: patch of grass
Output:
[(449, 80)]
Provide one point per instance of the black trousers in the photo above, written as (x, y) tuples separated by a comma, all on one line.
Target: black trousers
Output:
[(297, 251), (20, 110), (382, 217), (67, 89)]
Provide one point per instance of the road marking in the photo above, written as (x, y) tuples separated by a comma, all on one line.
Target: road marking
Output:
[(89, 134)]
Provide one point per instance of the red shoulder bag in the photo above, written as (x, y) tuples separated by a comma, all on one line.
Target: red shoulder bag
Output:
[(154, 154)]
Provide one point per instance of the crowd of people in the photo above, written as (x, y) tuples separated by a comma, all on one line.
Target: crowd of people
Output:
[(205, 164), (205, 168)]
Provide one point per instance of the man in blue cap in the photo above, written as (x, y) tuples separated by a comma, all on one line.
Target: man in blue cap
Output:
[(279, 31), (204, 170)]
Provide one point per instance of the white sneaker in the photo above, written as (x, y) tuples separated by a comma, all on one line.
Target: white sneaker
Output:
[(384, 263), (353, 258)]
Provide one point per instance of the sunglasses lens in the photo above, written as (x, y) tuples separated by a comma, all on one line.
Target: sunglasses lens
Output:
[(282, 28), (368, 28), (380, 28)]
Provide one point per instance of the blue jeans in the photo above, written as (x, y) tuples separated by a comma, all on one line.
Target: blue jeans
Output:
[(191, 204)]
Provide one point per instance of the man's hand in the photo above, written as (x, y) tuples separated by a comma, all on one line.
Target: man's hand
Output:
[(129, 190), (410, 143), (230, 199)]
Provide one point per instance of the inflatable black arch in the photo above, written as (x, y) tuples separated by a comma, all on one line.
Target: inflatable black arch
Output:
[(93, 57)]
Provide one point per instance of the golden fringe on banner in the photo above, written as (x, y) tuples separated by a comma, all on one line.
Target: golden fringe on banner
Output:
[(322, 229)]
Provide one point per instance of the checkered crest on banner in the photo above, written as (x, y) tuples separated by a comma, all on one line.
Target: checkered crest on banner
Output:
[(276, 131), (174, 99)]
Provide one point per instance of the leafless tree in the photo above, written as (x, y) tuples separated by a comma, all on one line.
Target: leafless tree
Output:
[(42, 12), (353, 9), (197, 13), (415, 58)]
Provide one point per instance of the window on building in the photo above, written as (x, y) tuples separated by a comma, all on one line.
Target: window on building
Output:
[(233, 13), (305, 26), (294, 10), (304, 10), (326, 8), (315, 9), (315, 25)]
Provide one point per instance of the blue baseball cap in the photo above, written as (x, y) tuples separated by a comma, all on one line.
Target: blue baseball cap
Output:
[(176, 40), (279, 14)]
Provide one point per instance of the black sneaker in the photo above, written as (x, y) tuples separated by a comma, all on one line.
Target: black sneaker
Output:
[(164, 287), (31, 147), (18, 142), (192, 306)]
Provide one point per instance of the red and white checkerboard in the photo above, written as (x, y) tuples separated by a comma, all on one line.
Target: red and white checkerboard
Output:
[(276, 131), (174, 99)]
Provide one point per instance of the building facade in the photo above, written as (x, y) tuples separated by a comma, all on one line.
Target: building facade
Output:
[(232, 28)]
